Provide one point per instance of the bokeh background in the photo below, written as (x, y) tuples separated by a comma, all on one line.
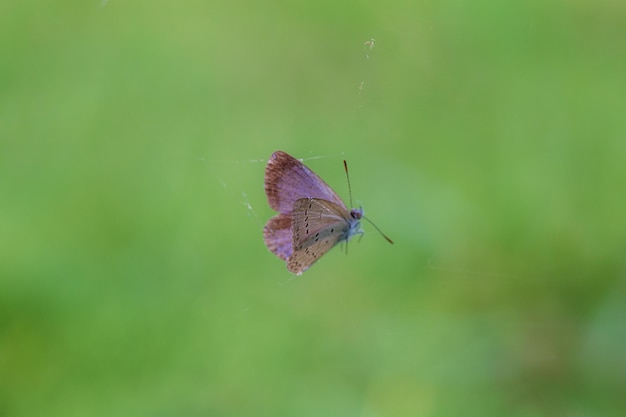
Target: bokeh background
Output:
[(487, 138)]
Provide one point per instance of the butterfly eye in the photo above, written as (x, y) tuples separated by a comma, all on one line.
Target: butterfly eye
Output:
[(356, 213)]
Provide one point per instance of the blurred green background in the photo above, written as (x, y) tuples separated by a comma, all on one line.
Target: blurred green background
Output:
[(487, 138)]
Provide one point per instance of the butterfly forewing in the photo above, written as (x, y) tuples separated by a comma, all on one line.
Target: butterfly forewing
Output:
[(313, 218), (317, 226), (287, 180)]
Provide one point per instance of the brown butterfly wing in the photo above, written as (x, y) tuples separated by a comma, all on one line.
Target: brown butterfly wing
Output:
[(317, 226)]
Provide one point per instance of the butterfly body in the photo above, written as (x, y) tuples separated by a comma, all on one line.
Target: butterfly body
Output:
[(312, 218)]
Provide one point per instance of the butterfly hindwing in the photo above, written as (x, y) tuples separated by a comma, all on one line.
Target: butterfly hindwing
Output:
[(278, 236)]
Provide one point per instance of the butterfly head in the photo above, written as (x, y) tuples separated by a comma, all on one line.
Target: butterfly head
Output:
[(354, 223), (356, 214)]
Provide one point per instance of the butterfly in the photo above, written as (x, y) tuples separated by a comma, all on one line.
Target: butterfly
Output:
[(311, 217)]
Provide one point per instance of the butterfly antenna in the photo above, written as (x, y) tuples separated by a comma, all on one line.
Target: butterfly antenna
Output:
[(379, 231), (345, 165)]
